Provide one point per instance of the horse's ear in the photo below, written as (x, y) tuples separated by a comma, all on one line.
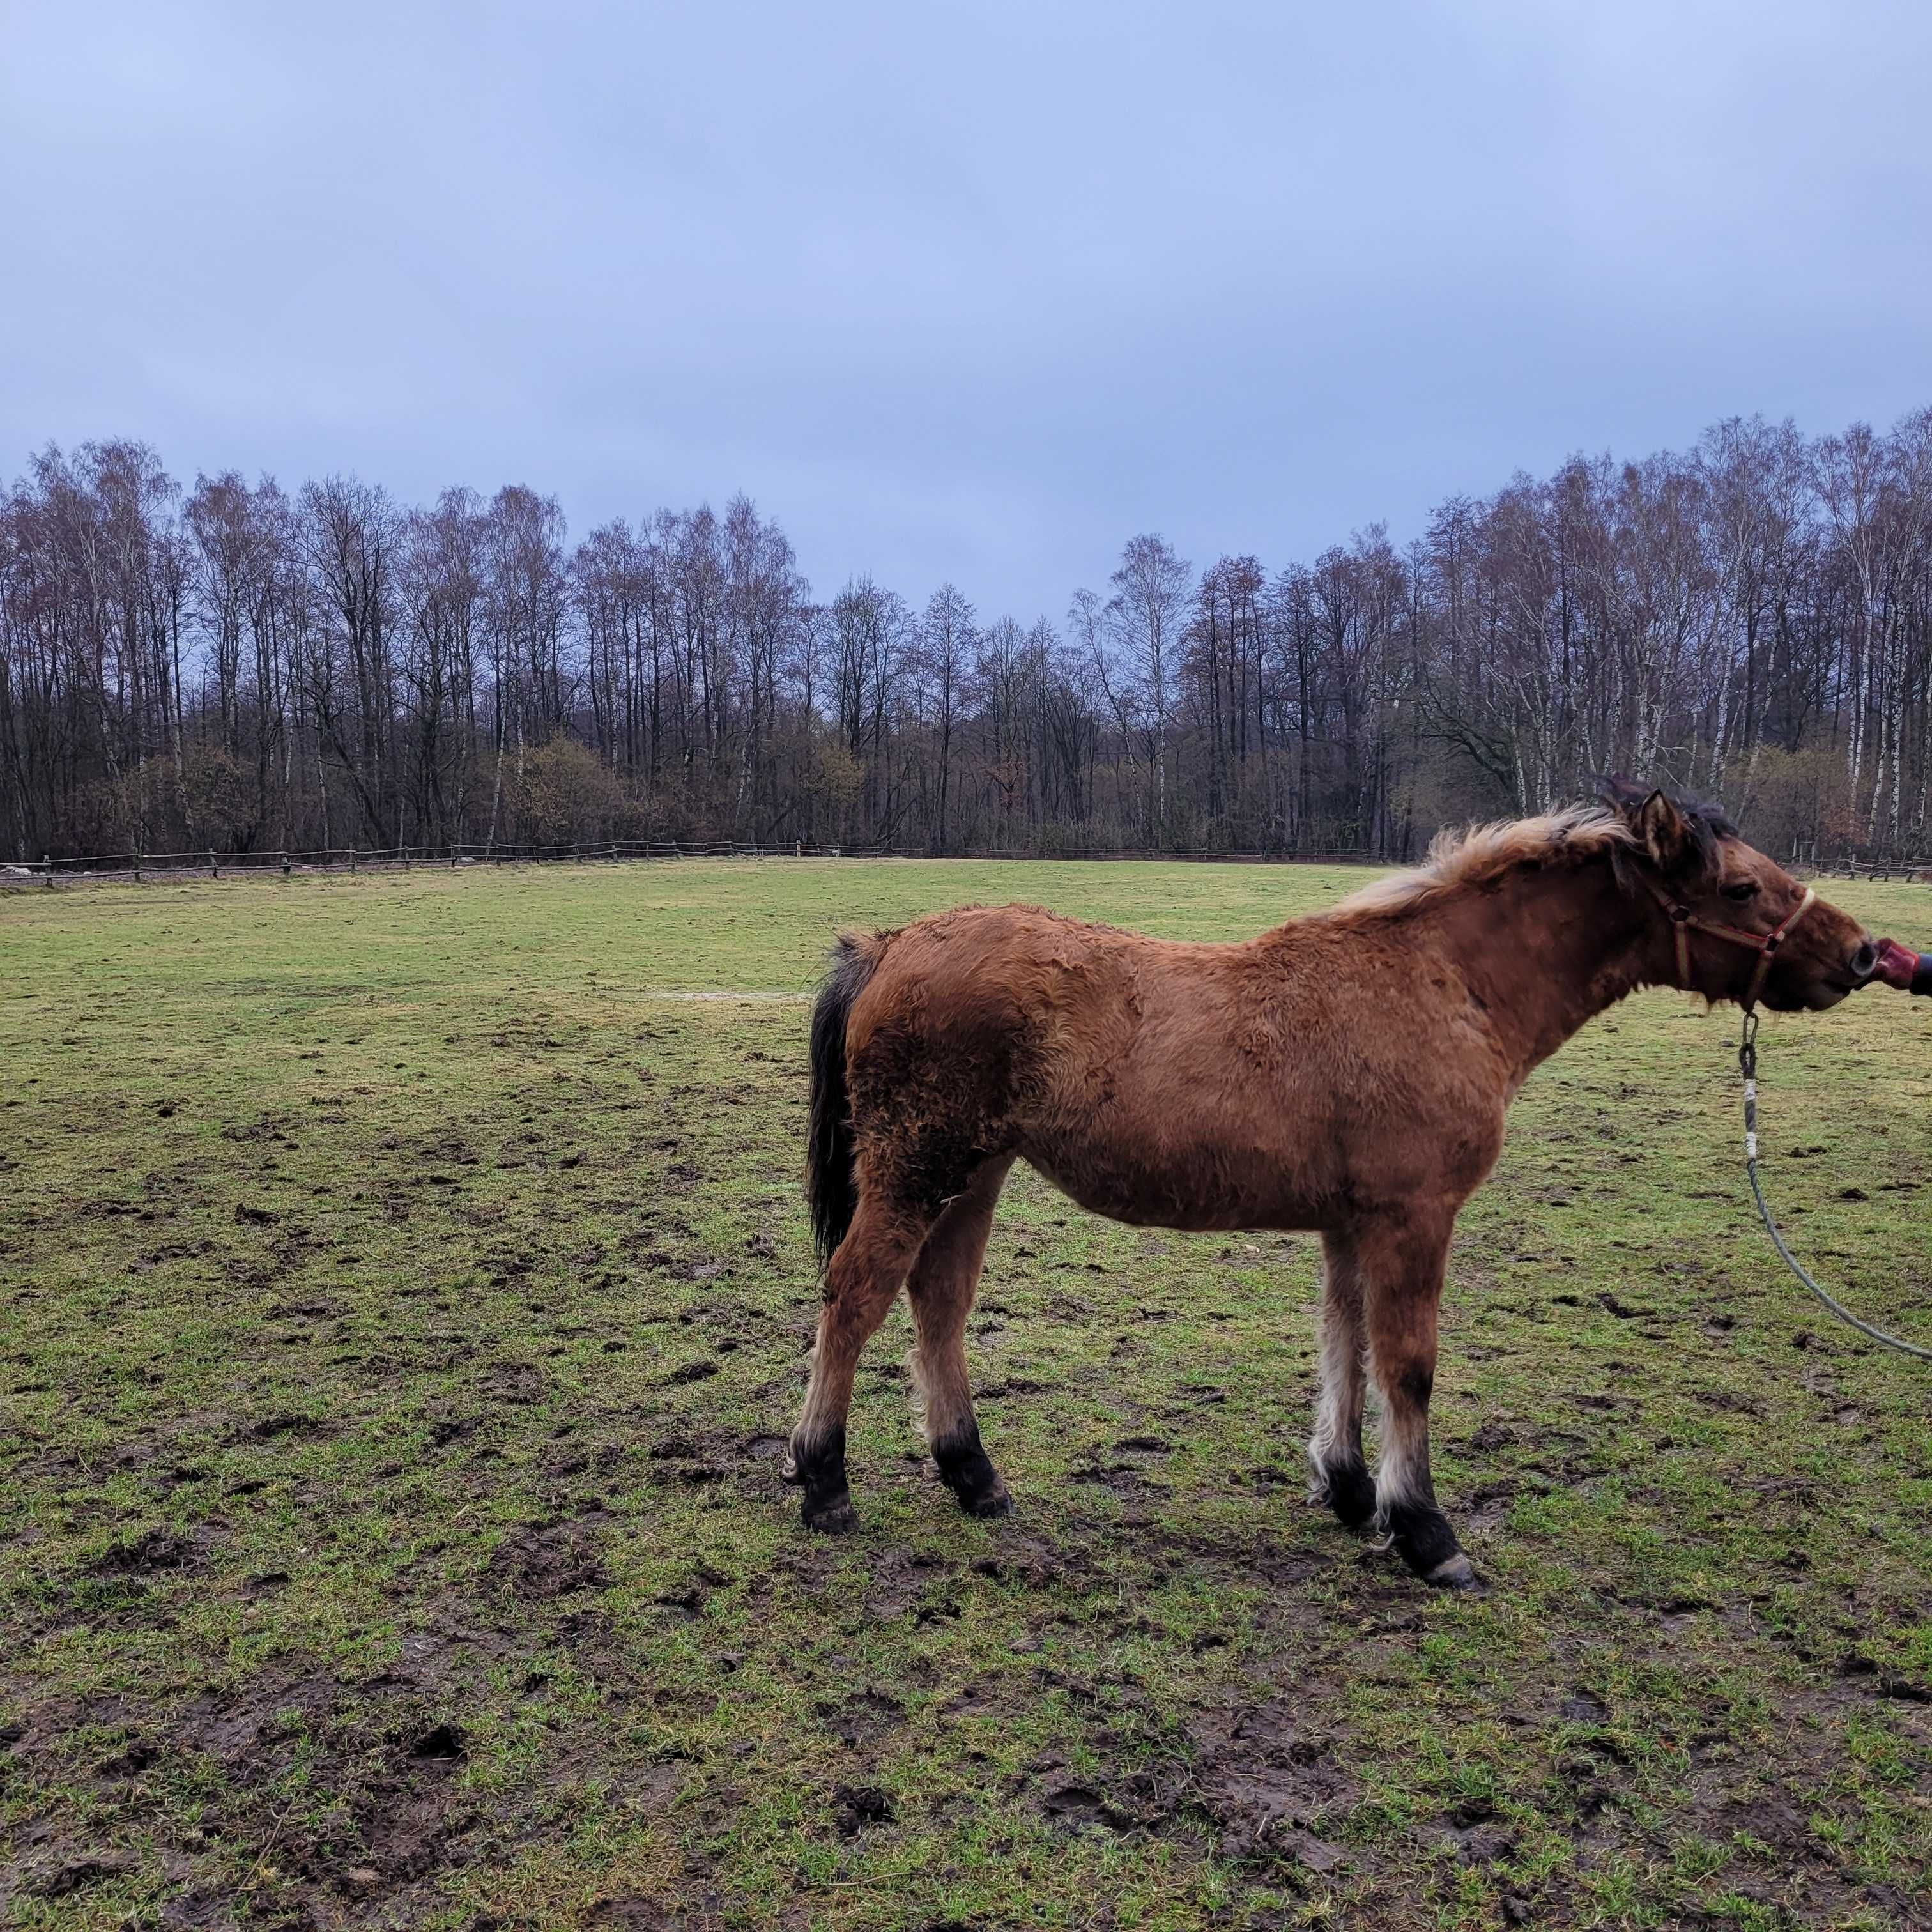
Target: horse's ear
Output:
[(1668, 836), (1620, 794)]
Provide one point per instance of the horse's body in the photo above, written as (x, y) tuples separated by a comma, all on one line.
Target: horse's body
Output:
[(1185, 1086), (1348, 1073)]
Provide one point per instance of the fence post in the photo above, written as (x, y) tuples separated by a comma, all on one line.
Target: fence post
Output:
[(353, 863), (285, 865), (214, 870), (137, 869), (47, 866)]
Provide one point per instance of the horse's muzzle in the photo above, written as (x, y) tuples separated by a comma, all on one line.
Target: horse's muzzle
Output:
[(1872, 960)]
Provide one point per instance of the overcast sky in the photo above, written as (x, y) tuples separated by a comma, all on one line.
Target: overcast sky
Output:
[(966, 290)]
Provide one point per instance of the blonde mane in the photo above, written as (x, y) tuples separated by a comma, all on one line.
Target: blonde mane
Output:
[(1479, 854)]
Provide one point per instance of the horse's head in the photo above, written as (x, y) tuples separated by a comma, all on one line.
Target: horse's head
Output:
[(1745, 929)]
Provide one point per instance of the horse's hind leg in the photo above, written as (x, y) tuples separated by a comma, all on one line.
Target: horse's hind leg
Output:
[(1402, 1265), (861, 1280), (1338, 1475), (940, 1289)]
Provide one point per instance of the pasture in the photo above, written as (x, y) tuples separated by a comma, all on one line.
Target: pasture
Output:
[(404, 1292)]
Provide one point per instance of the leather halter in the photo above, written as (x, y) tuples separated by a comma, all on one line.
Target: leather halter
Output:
[(1684, 922)]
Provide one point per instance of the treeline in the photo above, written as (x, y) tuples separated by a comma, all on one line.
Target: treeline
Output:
[(241, 666)]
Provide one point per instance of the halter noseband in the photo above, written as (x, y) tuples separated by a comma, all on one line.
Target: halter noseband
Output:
[(1765, 944)]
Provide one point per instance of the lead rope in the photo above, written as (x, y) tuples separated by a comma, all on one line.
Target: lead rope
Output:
[(1748, 1067)]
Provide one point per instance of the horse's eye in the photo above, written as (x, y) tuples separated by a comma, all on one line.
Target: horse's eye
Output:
[(1745, 889)]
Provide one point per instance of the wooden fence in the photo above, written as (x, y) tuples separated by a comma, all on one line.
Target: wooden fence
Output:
[(142, 867), (1882, 869)]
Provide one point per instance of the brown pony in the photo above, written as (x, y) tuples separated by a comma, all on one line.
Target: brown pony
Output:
[(1348, 1072)]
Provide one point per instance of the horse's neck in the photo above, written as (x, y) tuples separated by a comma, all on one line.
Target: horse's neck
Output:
[(1547, 951)]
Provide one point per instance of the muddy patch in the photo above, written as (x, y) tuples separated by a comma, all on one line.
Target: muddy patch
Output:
[(1262, 1776), (538, 1565), (389, 1752), (863, 1719)]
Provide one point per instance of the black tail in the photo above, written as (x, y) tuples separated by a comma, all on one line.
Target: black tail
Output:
[(830, 1186)]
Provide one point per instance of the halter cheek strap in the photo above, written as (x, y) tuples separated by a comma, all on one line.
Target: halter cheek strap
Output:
[(1684, 922)]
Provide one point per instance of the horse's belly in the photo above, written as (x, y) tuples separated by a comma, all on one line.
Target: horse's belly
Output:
[(1221, 1191)]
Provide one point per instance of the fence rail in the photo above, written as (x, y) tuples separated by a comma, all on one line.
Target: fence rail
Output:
[(140, 867), (1882, 869)]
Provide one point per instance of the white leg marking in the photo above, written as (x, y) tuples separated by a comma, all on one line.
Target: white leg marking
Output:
[(1402, 1471), (1338, 1406)]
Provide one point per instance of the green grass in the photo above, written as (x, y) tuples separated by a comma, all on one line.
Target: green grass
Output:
[(404, 1290)]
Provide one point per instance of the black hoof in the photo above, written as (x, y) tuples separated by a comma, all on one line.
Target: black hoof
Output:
[(1349, 1490), (829, 1516), (1423, 1541), (1457, 1573), (966, 1469), (819, 1468)]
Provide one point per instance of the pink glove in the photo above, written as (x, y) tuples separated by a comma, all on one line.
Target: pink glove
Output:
[(1909, 972)]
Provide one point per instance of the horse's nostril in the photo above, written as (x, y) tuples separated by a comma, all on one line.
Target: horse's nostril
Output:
[(1865, 960)]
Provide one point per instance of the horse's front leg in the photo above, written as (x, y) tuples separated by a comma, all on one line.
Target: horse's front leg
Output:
[(1402, 1261), (1338, 1474)]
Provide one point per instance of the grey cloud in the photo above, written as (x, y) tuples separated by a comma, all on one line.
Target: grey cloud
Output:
[(959, 290)]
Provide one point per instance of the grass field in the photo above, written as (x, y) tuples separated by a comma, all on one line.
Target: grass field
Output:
[(404, 1293)]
